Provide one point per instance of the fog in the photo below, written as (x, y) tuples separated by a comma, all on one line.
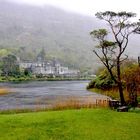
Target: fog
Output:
[(87, 7)]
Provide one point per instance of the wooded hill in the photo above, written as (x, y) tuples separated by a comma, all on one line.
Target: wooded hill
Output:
[(25, 30)]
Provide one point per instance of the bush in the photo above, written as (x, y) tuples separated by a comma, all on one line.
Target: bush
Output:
[(103, 81)]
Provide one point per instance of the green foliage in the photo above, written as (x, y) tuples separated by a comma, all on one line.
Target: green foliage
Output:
[(130, 79), (4, 52), (107, 43), (112, 14), (130, 72), (27, 72), (9, 66), (102, 81), (99, 34), (131, 76)]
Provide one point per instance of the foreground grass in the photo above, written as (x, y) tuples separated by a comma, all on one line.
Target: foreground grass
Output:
[(84, 124)]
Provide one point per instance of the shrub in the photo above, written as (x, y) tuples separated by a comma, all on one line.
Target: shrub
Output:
[(103, 81)]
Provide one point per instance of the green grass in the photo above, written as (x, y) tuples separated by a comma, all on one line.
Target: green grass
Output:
[(84, 124)]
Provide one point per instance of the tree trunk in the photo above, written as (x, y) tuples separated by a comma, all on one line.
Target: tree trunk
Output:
[(121, 93), (119, 82)]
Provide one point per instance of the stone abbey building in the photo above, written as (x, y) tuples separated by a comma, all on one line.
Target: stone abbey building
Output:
[(50, 68)]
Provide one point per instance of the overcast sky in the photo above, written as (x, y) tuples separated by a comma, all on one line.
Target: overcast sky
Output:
[(89, 7)]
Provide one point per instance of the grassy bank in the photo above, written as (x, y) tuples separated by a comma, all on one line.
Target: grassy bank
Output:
[(84, 124)]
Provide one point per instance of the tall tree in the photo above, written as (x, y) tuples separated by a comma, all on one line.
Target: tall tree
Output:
[(111, 51), (10, 67)]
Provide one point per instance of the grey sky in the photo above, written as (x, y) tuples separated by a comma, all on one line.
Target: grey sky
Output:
[(89, 7)]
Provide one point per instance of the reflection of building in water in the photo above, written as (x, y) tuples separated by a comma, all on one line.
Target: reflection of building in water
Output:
[(47, 68)]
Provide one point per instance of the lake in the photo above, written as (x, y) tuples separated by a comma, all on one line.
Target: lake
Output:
[(35, 94)]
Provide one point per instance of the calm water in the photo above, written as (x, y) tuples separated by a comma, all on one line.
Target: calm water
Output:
[(44, 93)]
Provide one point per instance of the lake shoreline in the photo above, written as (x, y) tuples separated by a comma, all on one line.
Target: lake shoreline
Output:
[(22, 79), (36, 94)]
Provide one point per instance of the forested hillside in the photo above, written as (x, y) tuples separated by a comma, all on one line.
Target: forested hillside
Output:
[(25, 30)]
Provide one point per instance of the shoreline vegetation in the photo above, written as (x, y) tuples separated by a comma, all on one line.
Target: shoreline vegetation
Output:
[(4, 91), (69, 104), (113, 93), (105, 85), (27, 78)]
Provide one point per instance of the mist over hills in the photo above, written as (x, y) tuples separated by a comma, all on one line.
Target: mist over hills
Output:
[(25, 30)]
